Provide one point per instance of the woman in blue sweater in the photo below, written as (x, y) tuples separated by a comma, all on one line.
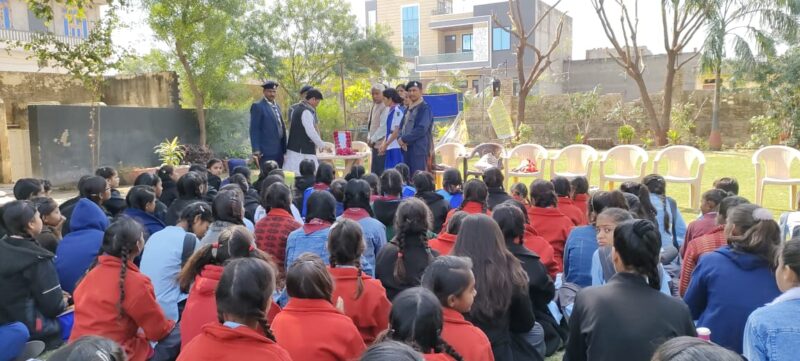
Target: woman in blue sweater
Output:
[(772, 331), (357, 208), (731, 282)]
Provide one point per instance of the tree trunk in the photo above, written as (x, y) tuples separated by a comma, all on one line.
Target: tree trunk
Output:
[(669, 88), (715, 138), (521, 99), (199, 99), (659, 133)]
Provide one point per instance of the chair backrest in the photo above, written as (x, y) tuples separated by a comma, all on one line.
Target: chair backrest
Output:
[(360, 147), (450, 153), (533, 152), (328, 147), (486, 148), (777, 160), (578, 157), (680, 159), (627, 159)]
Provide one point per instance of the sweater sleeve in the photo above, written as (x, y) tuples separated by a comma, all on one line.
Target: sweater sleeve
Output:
[(311, 132), (143, 308), (697, 293), (521, 313), (754, 343), (46, 289), (576, 344)]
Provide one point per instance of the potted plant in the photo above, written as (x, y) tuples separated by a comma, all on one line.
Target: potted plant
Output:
[(625, 133), (171, 152)]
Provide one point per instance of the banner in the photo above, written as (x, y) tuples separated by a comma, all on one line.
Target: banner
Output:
[(501, 120), (442, 105)]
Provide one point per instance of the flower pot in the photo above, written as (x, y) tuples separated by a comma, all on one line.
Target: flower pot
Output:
[(181, 170), (128, 176)]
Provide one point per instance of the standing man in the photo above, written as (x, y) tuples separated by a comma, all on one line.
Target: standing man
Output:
[(303, 92), (377, 128), (267, 129), (416, 138), (304, 140)]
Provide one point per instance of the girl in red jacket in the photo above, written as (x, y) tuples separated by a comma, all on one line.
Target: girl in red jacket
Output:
[(131, 316), (450, 278), (551, 224), (580, 194), (417, 320), (446, 239), (310, 327), (202, 273), (242, 333), (362, 297), (566, 205), (475, 194)]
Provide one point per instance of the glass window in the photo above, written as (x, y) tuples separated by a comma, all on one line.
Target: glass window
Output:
[(466, 43), (501, 39), (372, 18), (410, 22), (6, 9), (74, 25)]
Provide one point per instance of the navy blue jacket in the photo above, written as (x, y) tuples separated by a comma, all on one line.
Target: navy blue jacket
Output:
[(264, 125), (79, 248), (416, 132), (150, 222)]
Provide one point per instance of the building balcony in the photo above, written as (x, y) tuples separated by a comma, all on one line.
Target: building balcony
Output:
[(450, 61), (8, 35)]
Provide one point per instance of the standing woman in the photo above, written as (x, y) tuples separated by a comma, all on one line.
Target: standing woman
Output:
[(29, 287), (731, 282), (116, 204), (771, 332), (394, 121), (628, 318), (502, 307)]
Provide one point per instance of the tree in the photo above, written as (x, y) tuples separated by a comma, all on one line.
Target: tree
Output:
[(308, 41), (734, 24), (205, 39), (43, 9), (680, 21), (86, 61), (778, 78), (528, 75)]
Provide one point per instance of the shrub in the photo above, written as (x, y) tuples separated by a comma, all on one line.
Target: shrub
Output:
[(625, 133)]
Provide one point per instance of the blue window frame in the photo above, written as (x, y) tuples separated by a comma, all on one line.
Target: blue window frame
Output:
[(466, 43), (410, 27), (501, 39), (6, 8), (74, 26)]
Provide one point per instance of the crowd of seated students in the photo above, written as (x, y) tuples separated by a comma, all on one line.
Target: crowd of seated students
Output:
[(387, 267)]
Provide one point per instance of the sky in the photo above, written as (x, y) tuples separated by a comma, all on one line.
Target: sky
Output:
[(587, 33)]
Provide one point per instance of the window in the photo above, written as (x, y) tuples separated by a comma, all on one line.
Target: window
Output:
[(466, 43), (6, 8), (501, 39), (476, 85), (372, 18), (410, 22), (74, 25)]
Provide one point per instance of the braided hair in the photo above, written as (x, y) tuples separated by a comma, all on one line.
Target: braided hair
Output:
[(520, 192), (245, 290), (405, 172), (638, 244), (416, 319), (121, 240), (389, 350), (411, 223), (194, 210), (475, 190), (345, 245), (658, 186)]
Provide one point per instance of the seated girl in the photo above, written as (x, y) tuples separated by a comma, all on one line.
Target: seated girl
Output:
[(357, 208), (116, 203), (141, 202), (147, 179), (272, 231), (546, 219), (228, 211), (52, 221), (451, 191), (322, 182)]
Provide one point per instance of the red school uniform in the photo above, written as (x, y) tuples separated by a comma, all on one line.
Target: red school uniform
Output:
[(271, 233), (470, 207), (567, 206), (218, 342), (312, 329), (370, 312), (537, 244), (581, 201), (438, 357), (706, 224), (443, 243), (96, 311), (201, 306), (554, 227), (469, 341)]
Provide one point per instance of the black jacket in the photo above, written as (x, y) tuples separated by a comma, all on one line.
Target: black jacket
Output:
[(506, 333), (541, 291), (496, 196), (624, 320), (438, 206), (213, 180), (29, 289), (116, 204), (416, 258), (251, 203), (175, 209), (169, 192), (384, 210)]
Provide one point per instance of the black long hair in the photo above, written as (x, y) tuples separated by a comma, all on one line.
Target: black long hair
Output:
[(601, 200), (657, 185), (140, 196), (511, 221), (357, 194), (321, 205), (411, 224), (345, 246), (416, 319), (192, 211), (638, 244), (93, 188), (493, 177), (192, 185), (308, 278), (16, 217), (325, 173), (645, 208), (391, 182), (277, 196), (475, 190), (448, 276), (147, 179), (228, 206), (120, 240), (543, 194), (245, 290), (423, 182)]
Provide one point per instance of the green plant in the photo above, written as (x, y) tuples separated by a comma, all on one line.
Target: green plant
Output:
[(525, 133), (170, 152), (579, 138), (625, 133), (228, 133), (684, 117), (647, 139), (673, 136), (330, 116), (763, 131)]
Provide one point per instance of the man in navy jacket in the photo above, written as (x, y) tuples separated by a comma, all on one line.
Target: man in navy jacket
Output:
[(267, 129), (416, 138)]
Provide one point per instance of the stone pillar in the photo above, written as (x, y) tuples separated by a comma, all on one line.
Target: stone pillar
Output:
[(5, 149)]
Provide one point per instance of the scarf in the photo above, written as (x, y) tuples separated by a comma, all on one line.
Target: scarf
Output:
[(315, 225)]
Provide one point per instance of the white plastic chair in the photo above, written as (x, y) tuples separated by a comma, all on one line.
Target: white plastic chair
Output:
[(362, 147), (580, 158), (520, 153), (777, 163), (629, 161), (680, 159), (450, 154)]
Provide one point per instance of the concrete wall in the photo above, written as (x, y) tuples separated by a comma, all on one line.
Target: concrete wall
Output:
[(60, 146), (585, 75), (156, 90)]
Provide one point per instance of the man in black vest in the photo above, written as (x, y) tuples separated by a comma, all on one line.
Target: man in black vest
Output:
[(304, 140), (267, 130)]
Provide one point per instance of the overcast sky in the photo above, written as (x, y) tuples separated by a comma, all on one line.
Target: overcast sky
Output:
[(587, 32)]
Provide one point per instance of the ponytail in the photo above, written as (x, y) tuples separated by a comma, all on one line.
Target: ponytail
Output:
[(638, 244), (759, 234)]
